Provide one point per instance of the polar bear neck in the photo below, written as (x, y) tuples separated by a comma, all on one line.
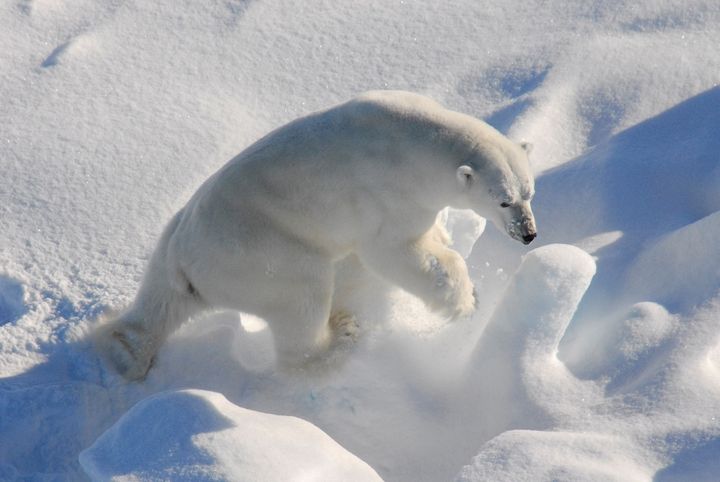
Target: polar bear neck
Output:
[(431, 142)]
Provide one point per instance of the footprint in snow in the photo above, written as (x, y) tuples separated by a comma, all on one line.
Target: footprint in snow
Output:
[(12, 304)]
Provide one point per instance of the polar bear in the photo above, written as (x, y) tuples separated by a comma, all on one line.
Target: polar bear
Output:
[(366, 179)]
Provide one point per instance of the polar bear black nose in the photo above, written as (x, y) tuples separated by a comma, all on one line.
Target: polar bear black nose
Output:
[(529, 237)]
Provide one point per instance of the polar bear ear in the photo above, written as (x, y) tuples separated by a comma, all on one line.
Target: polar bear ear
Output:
[(465, 175), (526, 146)]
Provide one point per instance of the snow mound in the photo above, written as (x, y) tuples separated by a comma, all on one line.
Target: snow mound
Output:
[(517, 353), (630, 339), (200, 435)]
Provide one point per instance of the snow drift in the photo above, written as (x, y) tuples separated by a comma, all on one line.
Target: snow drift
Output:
[(198, 435)]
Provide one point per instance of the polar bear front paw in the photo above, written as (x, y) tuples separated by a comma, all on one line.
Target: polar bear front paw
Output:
[(453, 291)]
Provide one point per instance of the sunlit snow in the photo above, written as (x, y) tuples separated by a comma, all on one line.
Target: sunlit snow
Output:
[(594, 353)]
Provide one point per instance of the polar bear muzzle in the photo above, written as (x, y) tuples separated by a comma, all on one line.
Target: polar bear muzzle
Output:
[(522, 224)]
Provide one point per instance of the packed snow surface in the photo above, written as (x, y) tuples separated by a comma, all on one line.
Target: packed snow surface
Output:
[(595, 351)]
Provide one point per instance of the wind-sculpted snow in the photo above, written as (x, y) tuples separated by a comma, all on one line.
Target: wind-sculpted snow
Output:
[(197, 435), (517, 353), (688, 254), (114, 112)]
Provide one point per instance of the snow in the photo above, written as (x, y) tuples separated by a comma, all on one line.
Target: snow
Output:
[(595, 351), (520, 455), (199, 435)]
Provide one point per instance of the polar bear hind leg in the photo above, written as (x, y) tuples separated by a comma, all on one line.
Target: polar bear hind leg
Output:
[(343, 325), (131, 340), (287, 283), (127, 347), (299, 319), (166, 299)]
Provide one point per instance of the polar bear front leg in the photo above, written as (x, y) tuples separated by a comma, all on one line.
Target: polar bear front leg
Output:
[(427, 268)]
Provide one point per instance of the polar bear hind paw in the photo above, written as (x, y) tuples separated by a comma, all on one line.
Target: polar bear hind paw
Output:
[(127, 350), (344, 325)]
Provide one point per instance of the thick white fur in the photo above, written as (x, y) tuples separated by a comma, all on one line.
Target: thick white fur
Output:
[(366, 178)]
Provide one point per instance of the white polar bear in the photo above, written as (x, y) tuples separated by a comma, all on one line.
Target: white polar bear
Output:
[(366, 178)]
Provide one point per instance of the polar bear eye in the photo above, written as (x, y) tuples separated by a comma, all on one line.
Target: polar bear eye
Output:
[(504, 205)]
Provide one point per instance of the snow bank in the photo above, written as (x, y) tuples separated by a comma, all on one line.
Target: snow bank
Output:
[(690, 265), (514, 370), (646, 181), (633, 200), (199, 435)]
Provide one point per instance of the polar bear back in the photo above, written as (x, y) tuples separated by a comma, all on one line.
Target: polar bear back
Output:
[(336, 177)]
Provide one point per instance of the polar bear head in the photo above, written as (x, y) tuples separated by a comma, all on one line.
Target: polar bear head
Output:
[(497, 183)]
